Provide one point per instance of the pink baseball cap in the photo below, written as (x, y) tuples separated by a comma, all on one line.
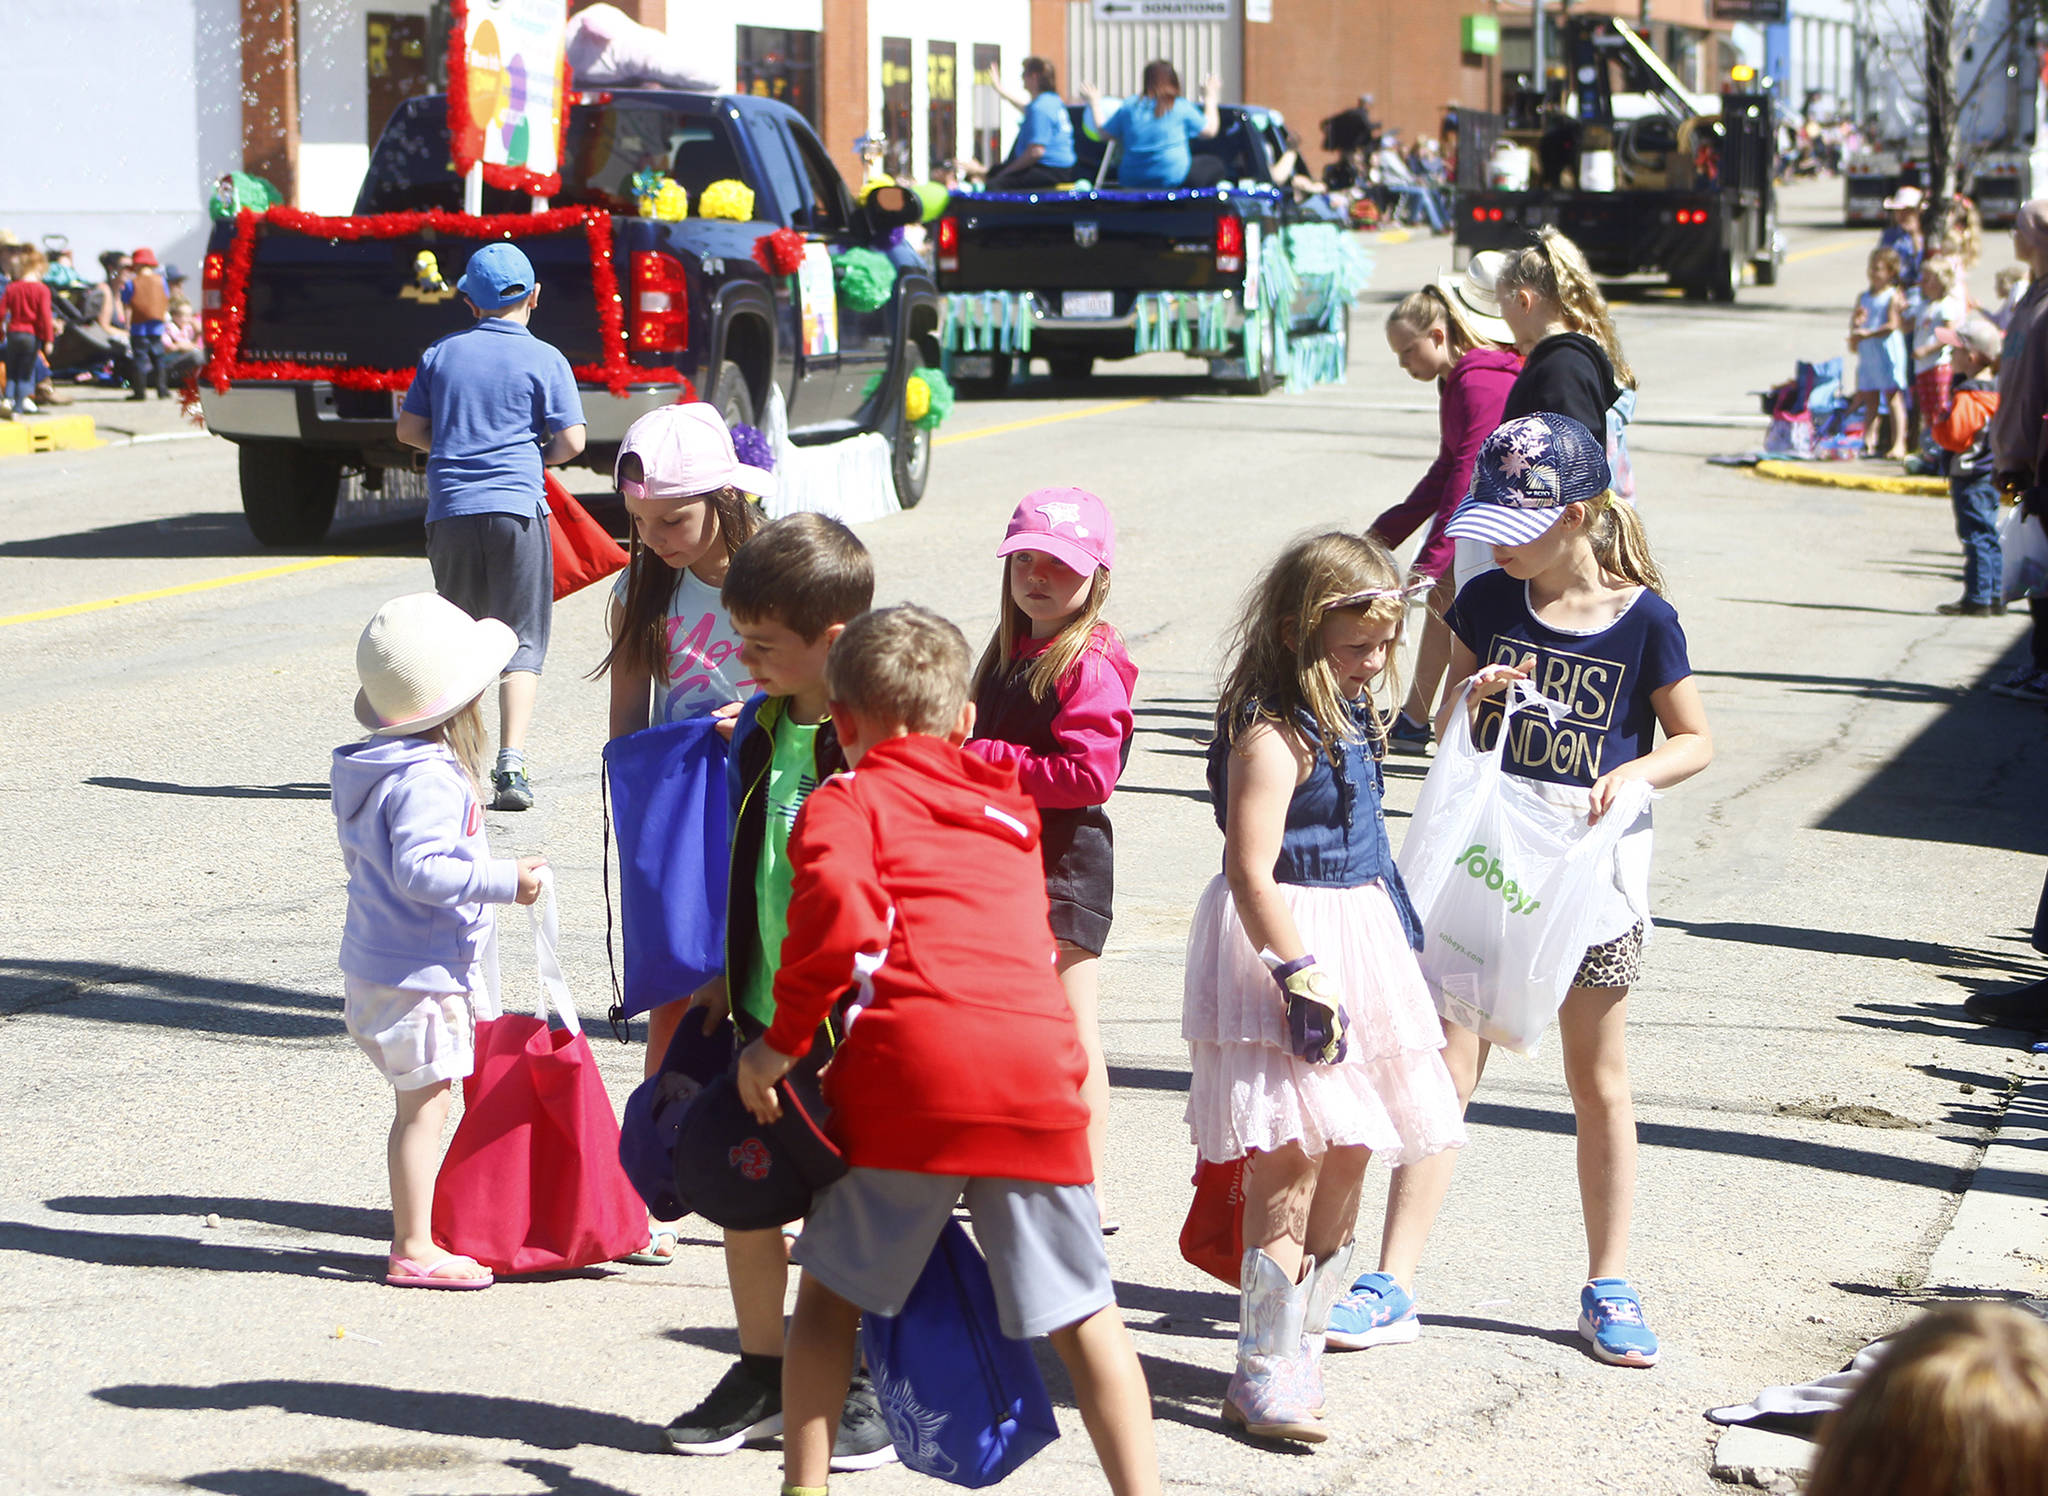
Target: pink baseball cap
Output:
[(685, 450), (1069, 524)]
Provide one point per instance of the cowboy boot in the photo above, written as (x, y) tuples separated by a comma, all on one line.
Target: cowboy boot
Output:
[(1325, 1283), (1269, 1396)]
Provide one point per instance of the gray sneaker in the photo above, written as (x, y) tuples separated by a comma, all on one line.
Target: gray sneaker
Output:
[(862, 1441), (512, 791), (2024, 684)]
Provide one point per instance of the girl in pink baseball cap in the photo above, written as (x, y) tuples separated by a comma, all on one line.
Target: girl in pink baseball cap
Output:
[(1052, 698)]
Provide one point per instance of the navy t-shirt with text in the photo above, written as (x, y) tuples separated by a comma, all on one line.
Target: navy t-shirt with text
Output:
[(1604, 679)]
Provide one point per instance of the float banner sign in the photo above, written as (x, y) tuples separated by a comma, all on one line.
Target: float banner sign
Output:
[(509, 108)]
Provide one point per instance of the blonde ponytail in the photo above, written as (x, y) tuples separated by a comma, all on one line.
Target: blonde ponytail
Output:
[(1419, 311), (1620, 543), (1555, 269)]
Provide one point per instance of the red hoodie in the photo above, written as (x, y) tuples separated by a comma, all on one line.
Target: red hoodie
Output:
[(917, 881)]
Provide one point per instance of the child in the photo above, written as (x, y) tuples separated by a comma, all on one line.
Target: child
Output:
[(421, 881), (149, 302), (1877, 334), (1312, 1041), (490, 406), (1940, 306), (27, 325), (1572, 363), (790, 591), (1576, 609), (1972, 491), (1959, 1403), (674, 652), (917, 877), (1449, 334), (1052, 699), (2011, 284)]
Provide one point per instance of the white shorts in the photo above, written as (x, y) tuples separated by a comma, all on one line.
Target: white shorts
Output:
[(414, 1038)]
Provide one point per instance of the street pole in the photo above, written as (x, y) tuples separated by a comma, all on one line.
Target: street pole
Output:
[(1542, 68), (1940, 113)]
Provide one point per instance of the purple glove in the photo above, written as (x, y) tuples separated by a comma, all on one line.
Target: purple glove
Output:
[(1315, 1016)]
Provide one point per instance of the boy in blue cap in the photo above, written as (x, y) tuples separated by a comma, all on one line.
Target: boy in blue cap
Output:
[(490, 406)]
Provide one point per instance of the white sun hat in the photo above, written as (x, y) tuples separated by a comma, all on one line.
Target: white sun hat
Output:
[(422, 659), (1476, 295)]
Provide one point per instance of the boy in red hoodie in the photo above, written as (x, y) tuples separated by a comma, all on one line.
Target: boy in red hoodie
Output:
[(917, 880)]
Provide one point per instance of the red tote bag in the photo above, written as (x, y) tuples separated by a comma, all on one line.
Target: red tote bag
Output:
[(584, 550), (1212, 1238), (532, 1182)]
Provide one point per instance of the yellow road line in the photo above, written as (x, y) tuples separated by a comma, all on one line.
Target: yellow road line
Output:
[(1825, 249), (1002, 427), (183, 588)]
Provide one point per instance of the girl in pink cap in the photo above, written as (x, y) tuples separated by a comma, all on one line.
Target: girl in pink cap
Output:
[(674, 653), (1052, 698)]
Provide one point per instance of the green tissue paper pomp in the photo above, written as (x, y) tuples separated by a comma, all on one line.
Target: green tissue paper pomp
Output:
[(866, 278)]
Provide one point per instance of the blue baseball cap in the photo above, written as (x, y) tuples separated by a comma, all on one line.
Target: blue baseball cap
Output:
[(1526, 472), (497, 276)]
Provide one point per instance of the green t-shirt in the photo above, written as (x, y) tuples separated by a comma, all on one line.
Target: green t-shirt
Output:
[(792, 775)]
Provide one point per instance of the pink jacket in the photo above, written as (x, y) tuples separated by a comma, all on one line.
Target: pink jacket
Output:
[(1468, 409)]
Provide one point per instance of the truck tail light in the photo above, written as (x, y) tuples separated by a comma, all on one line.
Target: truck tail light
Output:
[(949, 243), (213, 275), (661, 304), (1230, 242), (1691, 215)]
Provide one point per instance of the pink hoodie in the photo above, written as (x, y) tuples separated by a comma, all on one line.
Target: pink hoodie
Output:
[(1467, 411)]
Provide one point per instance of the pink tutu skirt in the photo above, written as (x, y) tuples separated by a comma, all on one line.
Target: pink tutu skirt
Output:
[(1250, 1093)]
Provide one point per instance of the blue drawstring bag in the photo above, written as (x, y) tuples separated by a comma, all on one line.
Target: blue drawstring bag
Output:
[(963, 1402), (654, 1112), (666, 803)]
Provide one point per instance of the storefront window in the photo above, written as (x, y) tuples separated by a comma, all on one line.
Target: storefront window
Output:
[(781, 65), (988, 116), (942, 91), (896, 129)]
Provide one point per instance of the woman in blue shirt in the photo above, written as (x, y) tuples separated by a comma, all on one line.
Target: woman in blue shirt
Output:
[(1155, 127), (1042, 155)]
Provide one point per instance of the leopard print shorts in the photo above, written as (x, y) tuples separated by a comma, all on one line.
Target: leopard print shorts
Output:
[(1618, 963)]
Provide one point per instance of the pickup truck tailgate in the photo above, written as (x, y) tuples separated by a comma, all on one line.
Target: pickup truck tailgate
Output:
[(1084, 243), (360, 302)]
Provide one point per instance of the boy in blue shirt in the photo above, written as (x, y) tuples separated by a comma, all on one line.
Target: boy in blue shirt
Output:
[(490, 406)]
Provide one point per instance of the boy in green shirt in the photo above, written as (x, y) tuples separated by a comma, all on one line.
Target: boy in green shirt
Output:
[(791, 591)]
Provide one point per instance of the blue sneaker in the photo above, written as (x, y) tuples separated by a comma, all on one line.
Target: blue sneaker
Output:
[(1405, 736), (1611, 1317), (1377, 1311)]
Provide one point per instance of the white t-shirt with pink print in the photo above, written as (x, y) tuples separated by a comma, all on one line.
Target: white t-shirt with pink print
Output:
[(702, 653)]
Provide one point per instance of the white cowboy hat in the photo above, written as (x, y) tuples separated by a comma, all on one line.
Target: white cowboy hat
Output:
[(1905, 197), (422, 659), (1476, 297)]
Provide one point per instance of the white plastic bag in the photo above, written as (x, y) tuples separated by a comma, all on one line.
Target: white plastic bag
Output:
[(2023, 545), (1508, 884)]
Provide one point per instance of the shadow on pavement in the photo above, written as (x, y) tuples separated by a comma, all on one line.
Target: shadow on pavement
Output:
[(1567, 1338), (455, 1415), (122, 1249), (223, 534), (294, 1215), (169, 999), (269, 1483), (212, 791), (1855, 943)]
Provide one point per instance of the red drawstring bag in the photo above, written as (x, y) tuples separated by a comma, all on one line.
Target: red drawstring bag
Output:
[(584, 550), (532, 1182), (1212, 1238)]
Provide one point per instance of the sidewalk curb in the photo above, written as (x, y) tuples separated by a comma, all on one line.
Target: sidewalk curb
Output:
[(1823, 477), (28, 434), (1998, 1241)]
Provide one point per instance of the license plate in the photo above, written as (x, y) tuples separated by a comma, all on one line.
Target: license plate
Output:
[(1226, 368), (973, 366), (1087, 304)]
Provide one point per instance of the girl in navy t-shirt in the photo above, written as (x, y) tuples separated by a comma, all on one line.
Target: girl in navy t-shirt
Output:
[(1577, 611)]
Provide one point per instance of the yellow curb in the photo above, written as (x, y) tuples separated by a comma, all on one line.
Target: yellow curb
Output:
[(28, 434), (1833, 477), (1394, 236)]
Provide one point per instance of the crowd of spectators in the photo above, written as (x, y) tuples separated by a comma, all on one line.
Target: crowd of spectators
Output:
[(133, 327)]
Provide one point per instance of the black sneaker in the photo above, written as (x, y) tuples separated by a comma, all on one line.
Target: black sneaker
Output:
[(2022, 1008), (863, 1441), (512, 791), (1968, 609), (740, 1410), (1404, 736)]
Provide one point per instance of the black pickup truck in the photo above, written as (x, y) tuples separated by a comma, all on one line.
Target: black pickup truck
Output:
[(317, 324), (1238, 274)]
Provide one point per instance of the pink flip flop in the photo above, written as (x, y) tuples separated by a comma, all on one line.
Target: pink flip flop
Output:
[(403, 1272)]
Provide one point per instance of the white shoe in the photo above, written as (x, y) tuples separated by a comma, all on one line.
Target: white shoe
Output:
[(28, 407)]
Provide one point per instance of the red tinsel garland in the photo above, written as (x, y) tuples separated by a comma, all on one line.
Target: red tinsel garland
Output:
[(780, 252), (616, 373), (512, 178)]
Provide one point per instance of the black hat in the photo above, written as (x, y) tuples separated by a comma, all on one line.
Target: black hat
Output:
[(744, 1176)]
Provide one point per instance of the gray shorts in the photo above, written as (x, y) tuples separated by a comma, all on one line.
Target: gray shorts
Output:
[(868, 1236), (499, 566)]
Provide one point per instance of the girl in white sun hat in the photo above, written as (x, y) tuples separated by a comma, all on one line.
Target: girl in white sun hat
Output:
[(421, 880)]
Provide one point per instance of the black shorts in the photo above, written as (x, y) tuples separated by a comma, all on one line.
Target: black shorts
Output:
[(1080, 874), (499, 566)]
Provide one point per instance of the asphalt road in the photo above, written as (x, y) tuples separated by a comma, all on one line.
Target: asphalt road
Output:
[(1858, 859)]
